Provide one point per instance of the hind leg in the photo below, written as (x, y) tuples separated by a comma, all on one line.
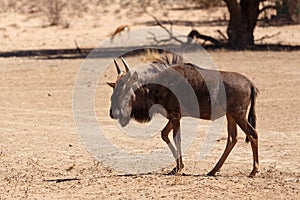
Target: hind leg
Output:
[(253, 137), (231, 141), (177, 141)]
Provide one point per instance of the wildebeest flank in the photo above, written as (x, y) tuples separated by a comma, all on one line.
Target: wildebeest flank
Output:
[(136, 91)]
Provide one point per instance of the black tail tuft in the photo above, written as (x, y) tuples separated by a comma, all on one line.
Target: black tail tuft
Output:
[(252, 114)]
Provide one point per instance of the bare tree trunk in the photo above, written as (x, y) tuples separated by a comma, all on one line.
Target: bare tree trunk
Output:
[(294, 10), (243, 18)]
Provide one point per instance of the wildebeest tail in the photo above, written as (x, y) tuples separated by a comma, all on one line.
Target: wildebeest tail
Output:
[(252, 114)]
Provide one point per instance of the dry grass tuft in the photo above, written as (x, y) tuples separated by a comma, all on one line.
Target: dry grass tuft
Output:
[(150, 55)]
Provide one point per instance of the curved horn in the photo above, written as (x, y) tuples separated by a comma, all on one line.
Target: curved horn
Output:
[(125, 64), (117, 66)]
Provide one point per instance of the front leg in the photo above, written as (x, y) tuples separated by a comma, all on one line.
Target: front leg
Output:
[(165, 136)]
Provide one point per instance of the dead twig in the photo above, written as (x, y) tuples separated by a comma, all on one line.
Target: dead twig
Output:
[(77, 47), (267, 37), (169, 31), (59, 180), (222, 35)]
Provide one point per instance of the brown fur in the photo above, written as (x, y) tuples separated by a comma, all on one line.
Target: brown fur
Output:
[(120, 29), (240, 93)]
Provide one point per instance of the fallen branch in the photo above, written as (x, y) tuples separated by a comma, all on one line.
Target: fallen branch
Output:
[(267, 37), (195, 34), (267, 8), (59, 180)]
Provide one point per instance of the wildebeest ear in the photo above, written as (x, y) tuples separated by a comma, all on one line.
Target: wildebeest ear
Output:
[(111, 84), (134, 77)]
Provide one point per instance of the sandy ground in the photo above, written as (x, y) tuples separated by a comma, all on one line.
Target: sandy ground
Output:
[(39, 142)]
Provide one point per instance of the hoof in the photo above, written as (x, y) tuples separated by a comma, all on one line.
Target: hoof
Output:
[(211, 174), (175, 171), (252, 174)]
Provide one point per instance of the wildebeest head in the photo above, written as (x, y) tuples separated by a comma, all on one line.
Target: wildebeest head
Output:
[(123, 94)]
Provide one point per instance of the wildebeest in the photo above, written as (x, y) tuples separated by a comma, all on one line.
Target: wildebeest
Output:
[(136, 91)]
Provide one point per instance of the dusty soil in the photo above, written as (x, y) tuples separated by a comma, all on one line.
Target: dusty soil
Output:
[(39, 143)]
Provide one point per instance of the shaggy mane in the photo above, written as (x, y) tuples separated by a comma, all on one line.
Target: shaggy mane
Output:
[(144, 98), (168, 61)]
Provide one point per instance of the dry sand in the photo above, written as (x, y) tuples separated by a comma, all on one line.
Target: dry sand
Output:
[(39, 140)]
